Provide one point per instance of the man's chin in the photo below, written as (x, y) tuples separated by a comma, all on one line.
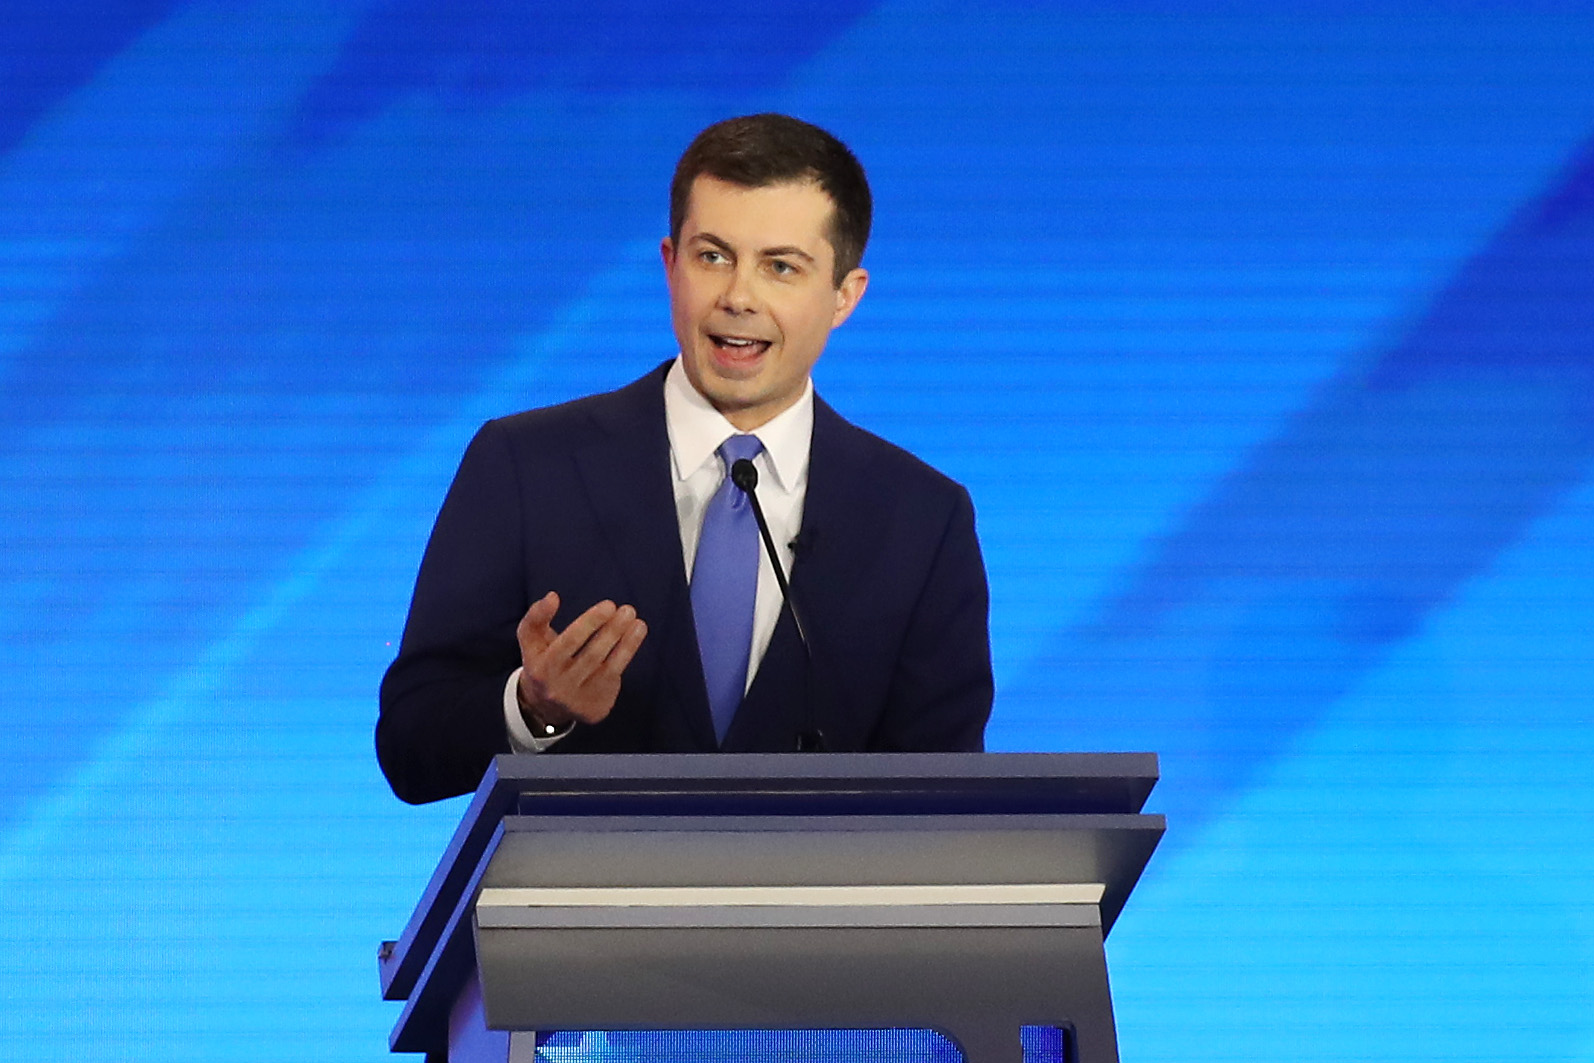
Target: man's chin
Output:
[(731, 396), (728, 395)]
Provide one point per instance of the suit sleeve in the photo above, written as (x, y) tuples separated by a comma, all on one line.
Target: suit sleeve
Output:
[(941, 688), (442, 710)]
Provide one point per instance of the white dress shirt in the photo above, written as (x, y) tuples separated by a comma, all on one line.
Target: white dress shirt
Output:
[(696, 430)]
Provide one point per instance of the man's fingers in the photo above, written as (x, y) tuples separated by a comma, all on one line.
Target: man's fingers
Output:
[(572, 638), (590, 657), (536, 625), (626, 648), (543, 609)]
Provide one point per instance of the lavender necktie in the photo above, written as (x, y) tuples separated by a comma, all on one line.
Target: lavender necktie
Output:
[(724, 587)]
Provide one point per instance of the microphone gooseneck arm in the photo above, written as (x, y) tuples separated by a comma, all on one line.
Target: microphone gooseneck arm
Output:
[(744, 474)]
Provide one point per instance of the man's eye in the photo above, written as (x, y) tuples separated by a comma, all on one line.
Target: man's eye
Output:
[(782, 268), (713, 258)]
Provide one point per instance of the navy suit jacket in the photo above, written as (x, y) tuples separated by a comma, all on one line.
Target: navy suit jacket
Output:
[(577, 498)]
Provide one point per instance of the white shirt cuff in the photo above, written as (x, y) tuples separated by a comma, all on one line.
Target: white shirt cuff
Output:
[(521, 737)]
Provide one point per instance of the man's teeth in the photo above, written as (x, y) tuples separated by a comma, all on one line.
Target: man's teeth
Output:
[(732, 341)]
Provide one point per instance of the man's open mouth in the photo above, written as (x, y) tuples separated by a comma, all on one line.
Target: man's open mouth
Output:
[(739, 346)]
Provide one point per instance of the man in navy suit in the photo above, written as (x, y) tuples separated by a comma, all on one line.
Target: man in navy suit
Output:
[(554, 610)]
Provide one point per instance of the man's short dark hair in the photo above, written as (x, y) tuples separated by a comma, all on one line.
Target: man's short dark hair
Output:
[(760, 150)]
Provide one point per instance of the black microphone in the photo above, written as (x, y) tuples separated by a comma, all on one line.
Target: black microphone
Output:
[(744, 474)]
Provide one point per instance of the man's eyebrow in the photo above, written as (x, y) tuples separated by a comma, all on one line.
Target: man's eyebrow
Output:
[(776, 252)]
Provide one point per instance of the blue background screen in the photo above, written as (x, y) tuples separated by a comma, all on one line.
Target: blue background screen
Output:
[(1262, 335)]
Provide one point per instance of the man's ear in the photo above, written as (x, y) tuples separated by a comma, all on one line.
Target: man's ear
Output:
[(848, 294), (667, 250)]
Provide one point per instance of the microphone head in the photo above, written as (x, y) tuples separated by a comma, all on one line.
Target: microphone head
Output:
[(744, 474)]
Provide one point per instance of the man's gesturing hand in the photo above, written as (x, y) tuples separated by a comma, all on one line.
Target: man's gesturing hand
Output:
[(574, 674)]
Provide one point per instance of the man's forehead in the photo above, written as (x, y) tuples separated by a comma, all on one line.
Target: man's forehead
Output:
[(799, 207)]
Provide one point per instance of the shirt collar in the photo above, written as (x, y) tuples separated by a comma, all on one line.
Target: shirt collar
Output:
[(696, 430)]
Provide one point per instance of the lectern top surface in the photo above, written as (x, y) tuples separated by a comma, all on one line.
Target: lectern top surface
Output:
[(1035, 767), (830, 784)]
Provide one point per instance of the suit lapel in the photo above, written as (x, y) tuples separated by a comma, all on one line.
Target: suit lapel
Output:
[(627, 476), (842, 505)]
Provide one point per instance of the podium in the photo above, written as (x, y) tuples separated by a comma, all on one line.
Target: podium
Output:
[(967, 893)]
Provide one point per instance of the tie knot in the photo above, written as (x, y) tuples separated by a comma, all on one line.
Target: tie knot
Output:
[(736, 448)]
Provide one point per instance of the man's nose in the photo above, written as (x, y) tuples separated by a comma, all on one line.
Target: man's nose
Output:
[(739, 296)]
